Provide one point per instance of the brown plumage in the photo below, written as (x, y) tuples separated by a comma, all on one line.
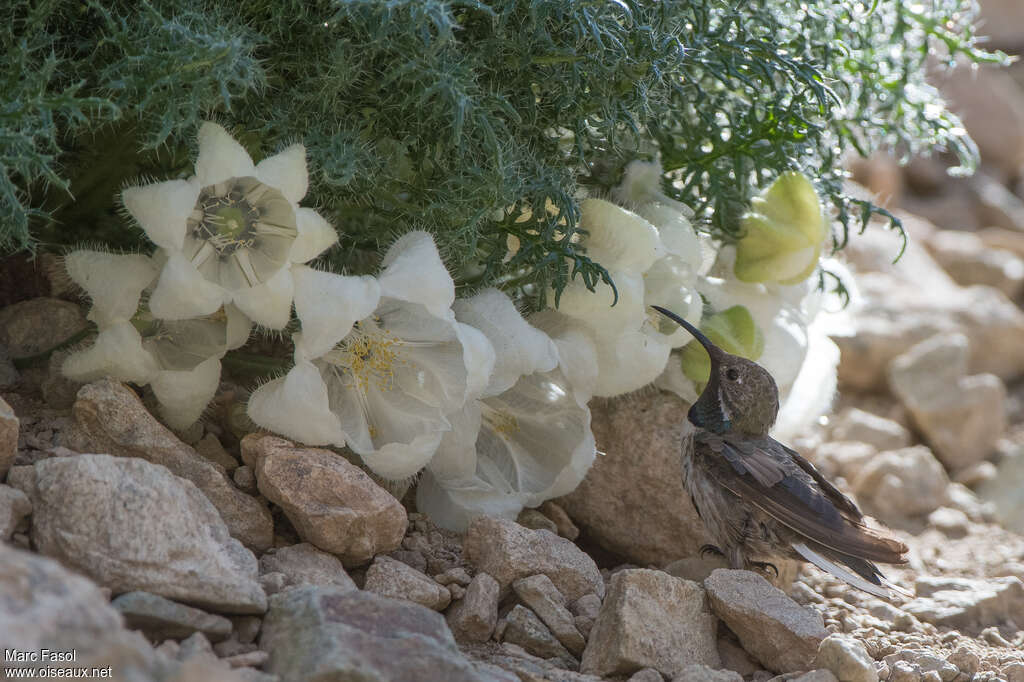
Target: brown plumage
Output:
[(759, 499)]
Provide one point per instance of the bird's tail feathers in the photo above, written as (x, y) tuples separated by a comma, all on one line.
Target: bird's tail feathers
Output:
[(874, 583)]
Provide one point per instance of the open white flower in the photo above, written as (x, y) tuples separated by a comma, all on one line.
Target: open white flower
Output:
[(380, 363), (528, 439), (179, 359), (230, 233)]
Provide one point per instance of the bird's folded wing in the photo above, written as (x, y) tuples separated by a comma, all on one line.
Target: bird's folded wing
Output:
[(785, 486)]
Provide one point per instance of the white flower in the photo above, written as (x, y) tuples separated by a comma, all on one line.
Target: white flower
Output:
[(528, 439), (230, 233), (380, 363), (179, 359), (650, 264)]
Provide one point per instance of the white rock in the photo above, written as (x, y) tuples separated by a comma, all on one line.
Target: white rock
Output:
[(969, 261), (473, 618), (961, 416), (901, 484), (391, 578), (304, 564), (846, 658), (131, 525), (863, 427), (542, 597), (965, 602)]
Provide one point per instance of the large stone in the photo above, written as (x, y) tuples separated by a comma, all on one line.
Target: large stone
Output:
[(1002, 24), (697, 672), (14, 506), (8, 437), (1003, 490), (650, 619), (544, 599), (991, 106), (914, 299), (164, 619), (322, 633), (969, 261), (507, 551), (966, 603), (901, 484), (45, 606), (523, 628), (773, 628), (30, 327), (132, 525), (332, 503), (472, 619), (391, 578), (304, 564), (962, 417), (110, 418), (632, 501), (863, 427), (846, 658)]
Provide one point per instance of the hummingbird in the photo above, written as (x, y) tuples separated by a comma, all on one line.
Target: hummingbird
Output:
[(759, 499)]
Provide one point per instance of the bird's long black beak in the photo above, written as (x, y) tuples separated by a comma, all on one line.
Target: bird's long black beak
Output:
[(714, 351)]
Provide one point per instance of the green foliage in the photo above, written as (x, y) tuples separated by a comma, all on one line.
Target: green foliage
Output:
[(462, 117)]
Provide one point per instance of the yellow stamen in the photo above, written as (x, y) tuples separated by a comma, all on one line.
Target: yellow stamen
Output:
[(370, 354)]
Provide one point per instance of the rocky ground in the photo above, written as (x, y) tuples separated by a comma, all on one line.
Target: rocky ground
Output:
[(220, 555)]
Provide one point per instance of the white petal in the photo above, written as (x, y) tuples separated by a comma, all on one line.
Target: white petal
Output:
[(329, 304), (595, 307), (813, 390), (577, 356), (114, 282), (162, 209), (297, 407), (239, 327), (672, 379), (117, 352), (454, 505), (618, 239), (456, 456), (183, 395), (479, 358), (676, 233), (286, 171), (519, 347), (221, 157), (182, 292), (671, 284), (397, 461), (413, 271), (315, 236), (629, 361), (269, 303)]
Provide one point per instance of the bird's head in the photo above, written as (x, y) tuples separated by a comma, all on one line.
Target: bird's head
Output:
[(740, 396)]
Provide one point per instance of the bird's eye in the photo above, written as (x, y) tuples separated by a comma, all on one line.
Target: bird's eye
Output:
[(732, 374)]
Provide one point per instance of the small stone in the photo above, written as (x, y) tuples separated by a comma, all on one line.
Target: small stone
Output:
[(458, 575), (646, 675), (820, 675), (780, 633), (901, 484), (965, 602), (969, 261), (232, 647), (109, 418), (195, 645), (1013, 672), (163, 619), (390, 578), (863, 427), (273, 582), (993, 637), (246, 628), (321, 633), (735, 658), (304, 564), (332, 503), (976, 474), (132, 525), (525, 629), (697, 672), (30, 327), (952, 522), (253, 659), (8, 437), (961, 416), (14, 506), (410, 557), (543, 598), (457, 590), (904, 671), (588, 606), (245, 479), (846, 658), (650, 619), (507, 551), (565, 527), (473, 619), (534, 520), (209, 447)]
